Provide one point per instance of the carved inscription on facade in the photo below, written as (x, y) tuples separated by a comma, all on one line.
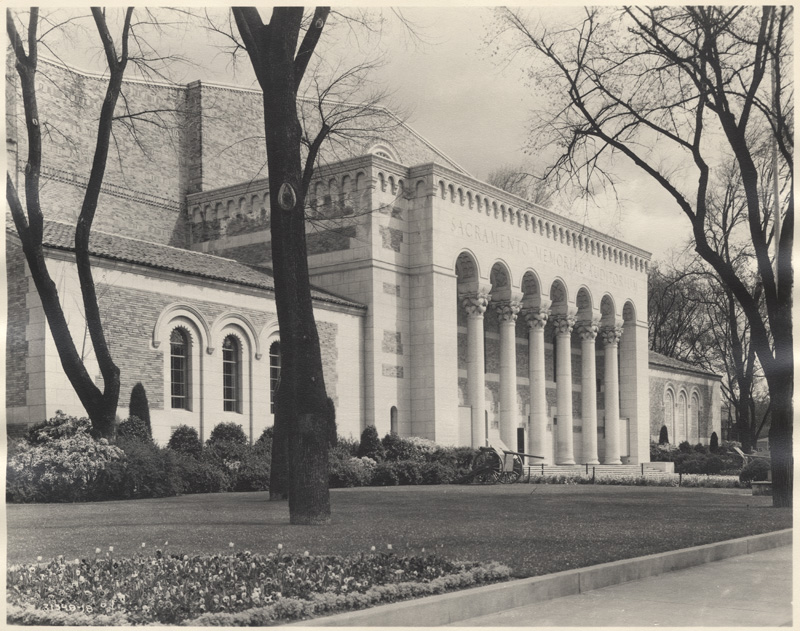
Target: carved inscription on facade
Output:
[(541, 254)]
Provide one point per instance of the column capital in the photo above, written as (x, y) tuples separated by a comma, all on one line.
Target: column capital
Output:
[(536, 317), (588, 329), (507, 310), (611, 335), (563, 323), (475, 303)]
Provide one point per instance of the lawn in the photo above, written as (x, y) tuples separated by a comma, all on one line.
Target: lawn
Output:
[(534, 529)]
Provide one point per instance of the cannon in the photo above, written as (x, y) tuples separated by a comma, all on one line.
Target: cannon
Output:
[(492, 465)]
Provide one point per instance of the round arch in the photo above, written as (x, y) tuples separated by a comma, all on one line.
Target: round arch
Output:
[(243, 323), (583, 301), (176, 310), (559, 296)]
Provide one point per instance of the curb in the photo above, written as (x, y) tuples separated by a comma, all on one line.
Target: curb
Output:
[(444, 609)]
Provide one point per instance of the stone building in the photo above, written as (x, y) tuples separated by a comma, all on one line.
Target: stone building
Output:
[(447, 308)]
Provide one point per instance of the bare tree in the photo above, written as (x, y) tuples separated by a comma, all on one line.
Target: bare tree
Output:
[(517, 181), (130, 50), (303, 410), (666, 87), (100, 405), (675, 312)]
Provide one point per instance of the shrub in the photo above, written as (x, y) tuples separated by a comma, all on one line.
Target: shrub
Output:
[(149, 471), (685, 447), (253, 471), (663, 436), (139, 407), (58, 427), (385, 474), (398, 448), (409, 471), (350, 472), (67, 466), (757, 470), (133, 427), (186, 440), (227, 433), (201, 477), (264, 442), (226, 455), (343, 449), (714, 443), (714, 465), (663, 452), (370, 445), (701, 448), (438, 473)]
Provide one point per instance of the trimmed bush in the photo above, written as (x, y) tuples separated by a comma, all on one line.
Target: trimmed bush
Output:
[(133, 427), (139, 407), (757, 470), (714, 447), (370, 445), (227, 433), (186, 440), (663, 436)]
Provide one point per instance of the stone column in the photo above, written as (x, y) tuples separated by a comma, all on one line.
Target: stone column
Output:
[(588, 333), (610, 336), (475, 305), (507, 311), (537, 436), (563, 326)]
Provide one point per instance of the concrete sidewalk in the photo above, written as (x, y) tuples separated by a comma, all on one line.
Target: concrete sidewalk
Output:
[(752, 590)]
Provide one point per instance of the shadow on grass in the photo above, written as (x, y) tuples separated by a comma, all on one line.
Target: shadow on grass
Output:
[(533, 529)]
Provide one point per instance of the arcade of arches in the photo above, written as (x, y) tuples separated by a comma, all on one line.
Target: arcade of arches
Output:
[(533, 366)]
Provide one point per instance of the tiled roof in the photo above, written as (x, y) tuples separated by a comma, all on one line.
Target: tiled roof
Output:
[(668, 362), (116, 248)]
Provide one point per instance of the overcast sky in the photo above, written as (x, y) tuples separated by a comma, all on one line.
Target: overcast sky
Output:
[(472, 105)]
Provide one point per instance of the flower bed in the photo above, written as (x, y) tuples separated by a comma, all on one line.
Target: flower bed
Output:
[(669, 479), (236, 589)]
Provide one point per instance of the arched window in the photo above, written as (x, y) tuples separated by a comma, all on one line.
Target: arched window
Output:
[(680, 427), (274, 373), (694, 419), (231, 375), (179, 369), (669, 411), (393, 420)]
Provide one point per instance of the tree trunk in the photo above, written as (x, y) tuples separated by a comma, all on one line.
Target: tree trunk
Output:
[(303, 401), (279, 469), (780, 439)]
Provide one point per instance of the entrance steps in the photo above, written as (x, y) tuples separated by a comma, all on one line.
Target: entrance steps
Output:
[(598, 470)]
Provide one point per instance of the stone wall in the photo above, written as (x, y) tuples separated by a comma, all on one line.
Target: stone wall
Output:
[(144, 186), (16, 325), (678, 381)]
